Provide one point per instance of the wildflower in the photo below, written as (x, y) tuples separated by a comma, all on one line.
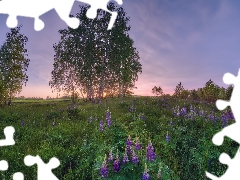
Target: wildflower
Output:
[(145, 176), (131, 109), (137, 144), (143, 117), (151, 155), (134, 158), (129, 145), (90, 119), (101, 125), (178, 113), (23, 122), (104, 168), (125, 157), (224, 120), (109, 122), (110, 156), (107, 114), (171, 123), (53, 124), (129, 141), (184, 111), (116, 164), (167, 137)]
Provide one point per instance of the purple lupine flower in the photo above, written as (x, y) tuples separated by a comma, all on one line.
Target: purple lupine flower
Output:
[(151, 155), (137, 144), (101, 125), (174, 112), (191, 109), (107, 114), (131, 109), (129, 141), (145, 176), (91, 119), (129, 150), (178, 113), (143, 117), (104, 169), (184, 111), (116, 164), (134, 158), (23, 122), (110, 158), (171, 123), (224, 120), (109, 122), (125, 157), (167, 138), (129, 145), (200, 112)]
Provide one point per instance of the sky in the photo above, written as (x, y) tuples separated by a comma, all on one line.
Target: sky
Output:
[(178, 41)]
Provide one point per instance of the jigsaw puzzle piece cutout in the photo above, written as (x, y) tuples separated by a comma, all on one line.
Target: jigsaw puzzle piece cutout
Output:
[(234, 102), (100, 4), (231, 131), (8, 132), (221, 104), (3, 165), (44, 170), (232, 172), (35, 9), (18, 176), (63, 9)]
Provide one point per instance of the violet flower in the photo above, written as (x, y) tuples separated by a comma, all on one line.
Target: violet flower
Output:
[(151, 155), (125, 157), (137, 145), (23, 123), (167, 138), (134, 158), (145, 176), (104, 169), (101, 125), (116, 164)]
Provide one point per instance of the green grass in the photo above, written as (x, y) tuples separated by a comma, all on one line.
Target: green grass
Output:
[(81, 147)]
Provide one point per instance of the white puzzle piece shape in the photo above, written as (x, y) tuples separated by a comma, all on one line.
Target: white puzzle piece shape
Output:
[(231, 131), (18, 176), (8, 132), (3, 165), (36, 8), (44, 170)]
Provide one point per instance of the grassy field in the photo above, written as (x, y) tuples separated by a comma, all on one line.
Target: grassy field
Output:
[(65, 131)]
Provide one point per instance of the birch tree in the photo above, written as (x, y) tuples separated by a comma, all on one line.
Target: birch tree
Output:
[(13, 64)]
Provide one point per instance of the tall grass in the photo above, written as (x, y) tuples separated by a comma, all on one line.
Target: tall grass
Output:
[(59, 129)]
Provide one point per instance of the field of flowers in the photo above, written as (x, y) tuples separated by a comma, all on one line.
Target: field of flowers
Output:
[(120, 138)]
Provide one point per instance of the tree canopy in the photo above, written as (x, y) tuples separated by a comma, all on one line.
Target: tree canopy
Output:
[(94, 60), (13, 65)]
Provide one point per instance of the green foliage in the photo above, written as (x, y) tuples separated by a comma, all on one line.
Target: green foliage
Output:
[(184, 94), (178, 90), (85, 58), (13, 65), (81, 147), (157, 90)]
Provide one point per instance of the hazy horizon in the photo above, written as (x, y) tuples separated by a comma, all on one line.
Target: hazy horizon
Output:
[(178, 41)]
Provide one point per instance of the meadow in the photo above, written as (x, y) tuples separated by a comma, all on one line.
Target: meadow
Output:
[(120, 138)]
